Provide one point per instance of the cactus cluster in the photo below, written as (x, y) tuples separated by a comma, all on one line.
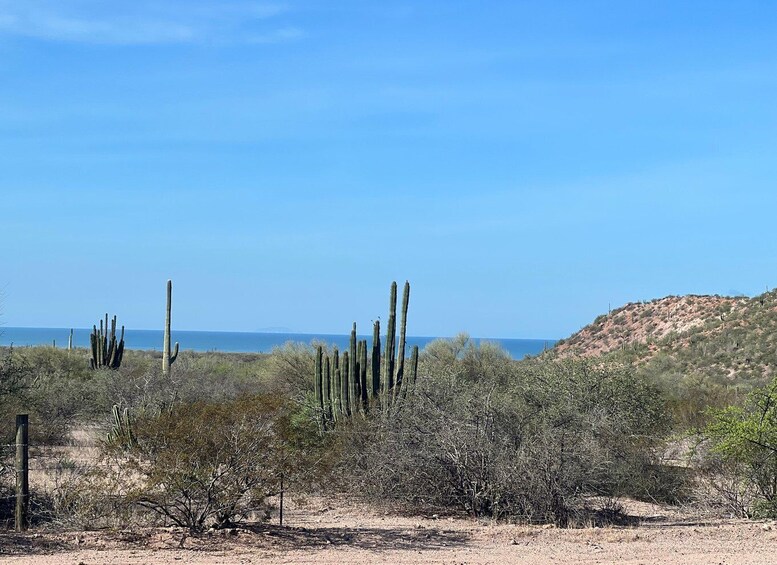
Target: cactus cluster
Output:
[(106, 350), (341, 385)]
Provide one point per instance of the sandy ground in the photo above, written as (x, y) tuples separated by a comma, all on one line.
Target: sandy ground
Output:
[(315, 532)]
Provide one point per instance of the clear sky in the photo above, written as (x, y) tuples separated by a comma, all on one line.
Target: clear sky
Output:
[(523, 164)]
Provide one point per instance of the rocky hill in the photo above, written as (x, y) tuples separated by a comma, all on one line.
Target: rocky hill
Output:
[(648, 323), (716, 337)]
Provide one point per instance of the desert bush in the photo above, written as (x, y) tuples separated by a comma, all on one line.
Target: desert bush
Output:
[(723, 486), (525, 441), (15, 374), (93, 496), (290, 368), (213, 464), (60, 393)]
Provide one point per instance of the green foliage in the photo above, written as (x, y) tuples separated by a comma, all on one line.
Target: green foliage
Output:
[(747, 436)]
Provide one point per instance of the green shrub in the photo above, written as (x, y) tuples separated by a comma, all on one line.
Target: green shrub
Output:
[(747, 436)]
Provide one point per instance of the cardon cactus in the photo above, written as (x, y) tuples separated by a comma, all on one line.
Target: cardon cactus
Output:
[(391, 336), (319, 386), (167, 358), (327, 392), (353, 373), (363, 375), (345, 383), (402, 334), (107, 352), (376, 359), (341, 383)]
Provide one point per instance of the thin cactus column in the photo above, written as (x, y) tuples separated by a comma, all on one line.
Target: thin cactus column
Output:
[(376, 359), (353, 374), (358, 383), (363, 375), (402, 334), (319, 386), (409, 383), (414, 366), (413, 369), (391, 333), (337, 400), (168, 359), (327, 391), (345, 383)]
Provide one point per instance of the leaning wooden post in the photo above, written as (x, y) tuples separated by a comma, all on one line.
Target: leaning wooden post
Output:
[(22, 473)]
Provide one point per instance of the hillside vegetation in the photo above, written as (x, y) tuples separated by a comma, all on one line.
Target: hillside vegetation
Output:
[(718, 337), (705, 351)]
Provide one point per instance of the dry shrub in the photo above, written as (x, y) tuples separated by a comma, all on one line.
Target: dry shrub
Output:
[(214, 464), (528, 442), (92, 497)]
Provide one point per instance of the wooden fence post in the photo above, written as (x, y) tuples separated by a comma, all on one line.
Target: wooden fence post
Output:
[(22, 473)]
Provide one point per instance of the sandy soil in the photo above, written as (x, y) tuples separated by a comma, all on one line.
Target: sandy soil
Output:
[(315, 532)]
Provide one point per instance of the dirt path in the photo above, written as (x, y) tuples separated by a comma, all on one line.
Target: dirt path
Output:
[(317, 533)]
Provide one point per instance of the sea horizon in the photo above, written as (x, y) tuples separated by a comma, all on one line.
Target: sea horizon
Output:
[(236, 342)]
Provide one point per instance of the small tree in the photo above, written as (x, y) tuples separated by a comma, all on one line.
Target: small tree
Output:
[(747, 436)]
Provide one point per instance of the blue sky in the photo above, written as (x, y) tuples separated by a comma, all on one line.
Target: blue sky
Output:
[(523, 164)]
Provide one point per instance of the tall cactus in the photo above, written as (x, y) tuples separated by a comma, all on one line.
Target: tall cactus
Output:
[(345, 384), (391, 335), (402, 333), (106, 350), (363, 375), (319, 386), (167, 358), (353, 378), (337, 391), (342, 388), (327, 391), (376, 359)]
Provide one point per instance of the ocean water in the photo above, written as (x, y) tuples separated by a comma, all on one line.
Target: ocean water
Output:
[(236, 342)]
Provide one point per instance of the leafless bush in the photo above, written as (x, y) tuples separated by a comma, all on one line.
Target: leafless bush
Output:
[(93, 496), (492, 437)]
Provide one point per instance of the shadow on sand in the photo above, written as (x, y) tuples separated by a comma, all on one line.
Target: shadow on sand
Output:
[(377, 539)]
